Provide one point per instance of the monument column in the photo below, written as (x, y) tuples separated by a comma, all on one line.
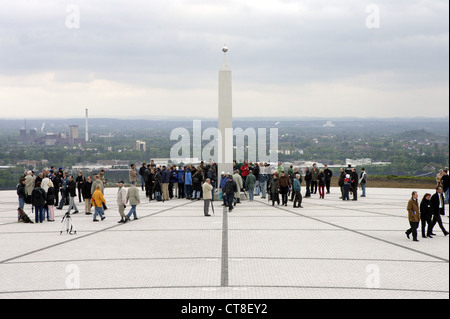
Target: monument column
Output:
[(225, 118)]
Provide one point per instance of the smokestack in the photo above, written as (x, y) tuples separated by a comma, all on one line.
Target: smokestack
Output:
[(87, 127)]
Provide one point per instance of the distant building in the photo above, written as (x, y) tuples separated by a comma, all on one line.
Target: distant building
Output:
[(140, 146), (329, 124), (73, 134)]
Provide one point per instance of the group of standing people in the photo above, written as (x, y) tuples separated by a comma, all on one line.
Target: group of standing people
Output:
[(53, 189)]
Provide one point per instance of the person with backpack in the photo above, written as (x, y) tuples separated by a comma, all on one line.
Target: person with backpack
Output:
[(230, 191), (297, 191), (250, 183), (363, 181), (197, 180), (38, 198)]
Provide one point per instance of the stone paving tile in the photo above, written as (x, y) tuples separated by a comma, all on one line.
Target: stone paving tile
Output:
[(172, 251)]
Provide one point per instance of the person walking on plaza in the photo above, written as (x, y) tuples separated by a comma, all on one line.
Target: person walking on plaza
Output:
[(413, 216), (98, 201), (231, 190), (134, 199), (72, 193), (425, 214), (438, 209), (207, 196), (122, 201), (250, 183), (63, 190), (298, 191), (328, 175)]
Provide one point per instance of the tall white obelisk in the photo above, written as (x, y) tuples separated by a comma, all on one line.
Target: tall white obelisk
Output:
[(225, 159), (87, 126)]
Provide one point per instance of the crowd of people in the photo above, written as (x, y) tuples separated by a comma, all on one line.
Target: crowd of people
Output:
[(54, 188)]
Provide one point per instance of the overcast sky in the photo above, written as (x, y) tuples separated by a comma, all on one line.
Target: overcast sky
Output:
[(144, 58)]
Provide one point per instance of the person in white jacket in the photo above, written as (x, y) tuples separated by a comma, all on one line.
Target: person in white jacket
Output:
[(121, 201)]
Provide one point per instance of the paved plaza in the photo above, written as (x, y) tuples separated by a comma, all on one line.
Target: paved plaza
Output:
[(328, 249)]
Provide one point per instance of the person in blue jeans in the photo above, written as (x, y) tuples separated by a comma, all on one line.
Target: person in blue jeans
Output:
[(21, 193), (134, 199), (38, 199)]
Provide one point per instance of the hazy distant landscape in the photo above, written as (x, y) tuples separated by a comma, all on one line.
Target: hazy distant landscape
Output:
[(413, 147)]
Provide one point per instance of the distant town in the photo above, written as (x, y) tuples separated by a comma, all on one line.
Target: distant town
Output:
[(418, 147)]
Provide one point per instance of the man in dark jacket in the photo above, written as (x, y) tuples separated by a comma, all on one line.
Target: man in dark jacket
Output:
[(426, 214), (87, 195), (354, 178), (328, 174), (21, 192), (341, 182), (308, 178), (438, 209), (72, 193), (230, 190), (38, 199)]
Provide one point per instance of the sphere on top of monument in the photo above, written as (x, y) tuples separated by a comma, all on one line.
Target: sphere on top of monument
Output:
[(225, 49)]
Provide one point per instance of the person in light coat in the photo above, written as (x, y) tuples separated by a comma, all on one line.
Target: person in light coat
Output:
[(239, 183), (134, 199), (122, 201), (207, 196)]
